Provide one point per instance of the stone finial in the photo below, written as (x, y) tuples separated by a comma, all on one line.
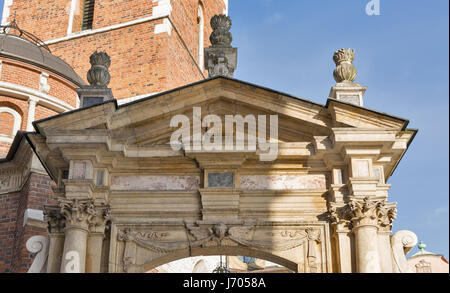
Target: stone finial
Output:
[(220, 57), (221, 36), (345, 71), (98, 75), (345, 74)]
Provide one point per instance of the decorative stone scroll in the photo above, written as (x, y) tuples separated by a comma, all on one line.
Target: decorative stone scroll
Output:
[(402, 242), (38, 245)]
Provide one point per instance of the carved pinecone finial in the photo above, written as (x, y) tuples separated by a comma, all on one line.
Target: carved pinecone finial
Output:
[(98, 75), (345, 71), (221, 36)]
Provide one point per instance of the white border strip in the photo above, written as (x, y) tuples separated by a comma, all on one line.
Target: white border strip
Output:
[(104, 29), (22, 92), (16, 116), (6, 11)]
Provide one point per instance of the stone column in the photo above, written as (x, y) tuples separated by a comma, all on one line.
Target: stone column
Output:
[(95, 240), (341, 228), (56, 223), (386, 214), (367, 216), (78, 214)]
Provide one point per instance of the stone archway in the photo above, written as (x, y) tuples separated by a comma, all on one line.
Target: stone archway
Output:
[(300, 247)]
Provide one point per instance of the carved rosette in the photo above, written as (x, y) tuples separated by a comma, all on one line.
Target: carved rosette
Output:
[(363, 212), (345, 71), (98, 75)]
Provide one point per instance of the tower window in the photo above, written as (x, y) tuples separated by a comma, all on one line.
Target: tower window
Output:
[(88, 14)]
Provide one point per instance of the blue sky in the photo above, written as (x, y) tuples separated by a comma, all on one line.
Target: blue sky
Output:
[(401, 56)]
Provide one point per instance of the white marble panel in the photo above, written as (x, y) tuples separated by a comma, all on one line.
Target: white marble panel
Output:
[(282, 182), (154, 182)]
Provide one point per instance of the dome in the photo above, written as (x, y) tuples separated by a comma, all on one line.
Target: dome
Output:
[(27, 48)]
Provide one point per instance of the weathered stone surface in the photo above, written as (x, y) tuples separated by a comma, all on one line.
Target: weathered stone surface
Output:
[(282, 182), (152, 182)]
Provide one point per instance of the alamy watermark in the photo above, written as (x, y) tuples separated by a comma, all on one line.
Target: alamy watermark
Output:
[(207, 134), (373, 7)]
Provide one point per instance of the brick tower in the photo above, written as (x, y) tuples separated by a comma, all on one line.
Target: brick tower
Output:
[(155, 45)]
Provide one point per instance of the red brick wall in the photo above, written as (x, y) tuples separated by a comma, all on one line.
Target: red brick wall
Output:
[(17, 105), (20, 74), (27, 75), (142, 62), (14, 257), (138, 57), (6, 123), (46, 19), (107, 12)]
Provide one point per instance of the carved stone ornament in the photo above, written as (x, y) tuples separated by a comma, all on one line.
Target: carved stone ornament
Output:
[(56, 221), (345, 71), (221, 36), (102, 214), (363, 211), (38, 245), (98, 75), (402, 242), (220, 57), (77, 212)]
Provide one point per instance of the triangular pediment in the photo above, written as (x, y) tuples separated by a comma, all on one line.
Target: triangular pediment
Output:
[(143, 127)]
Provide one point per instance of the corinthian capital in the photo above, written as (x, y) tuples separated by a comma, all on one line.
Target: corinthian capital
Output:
[(77, 212), (372, 212), (362, 212), (56, 221), (102, 214)]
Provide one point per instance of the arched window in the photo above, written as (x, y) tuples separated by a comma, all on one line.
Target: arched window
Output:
[(201, 33), (8, 125)]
